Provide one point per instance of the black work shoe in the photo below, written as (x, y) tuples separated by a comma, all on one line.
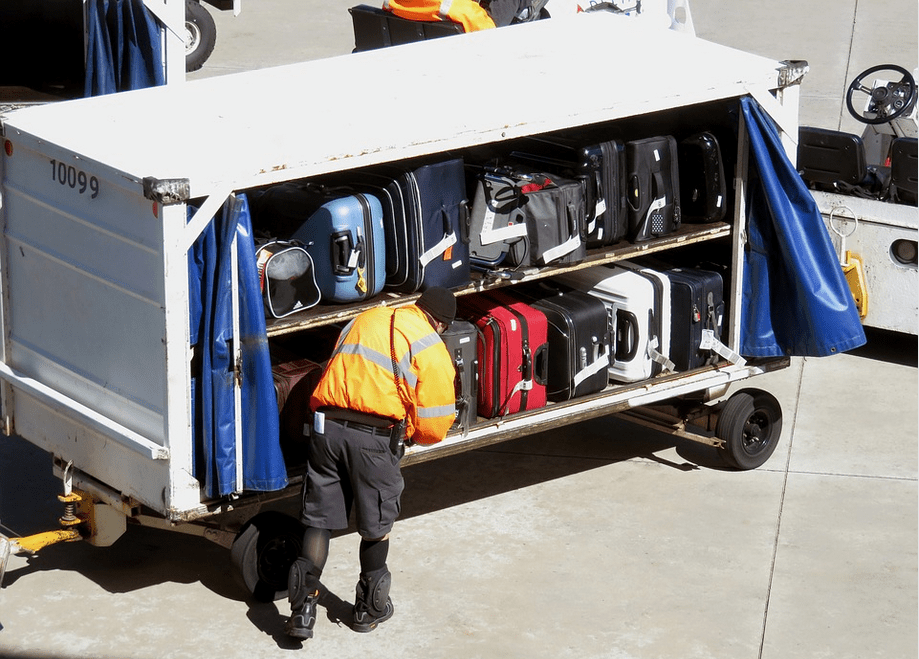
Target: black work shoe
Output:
[(366, 621), (301, 621)]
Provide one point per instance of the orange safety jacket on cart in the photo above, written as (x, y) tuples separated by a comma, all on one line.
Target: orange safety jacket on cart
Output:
[(359, 376), (468, 13)]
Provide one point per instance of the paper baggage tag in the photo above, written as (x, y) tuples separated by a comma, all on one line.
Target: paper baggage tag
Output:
[(600, 208), (709, 342)]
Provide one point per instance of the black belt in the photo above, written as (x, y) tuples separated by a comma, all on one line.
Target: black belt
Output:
[(370, 424)]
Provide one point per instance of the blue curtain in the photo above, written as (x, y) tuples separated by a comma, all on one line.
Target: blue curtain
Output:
[(124, 51), (210, 308), (795, 298)]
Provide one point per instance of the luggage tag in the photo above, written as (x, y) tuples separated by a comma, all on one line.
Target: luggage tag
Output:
[(709, 342)]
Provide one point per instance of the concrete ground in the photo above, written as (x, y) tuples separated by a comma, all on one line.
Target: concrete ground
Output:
[(601, 540)]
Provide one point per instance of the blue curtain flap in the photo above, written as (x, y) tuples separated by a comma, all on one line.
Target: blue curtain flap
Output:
[(796, 300), (210, 317), (124, 48)]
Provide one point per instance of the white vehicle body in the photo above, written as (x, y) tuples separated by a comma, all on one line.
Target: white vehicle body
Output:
[(882, 235)]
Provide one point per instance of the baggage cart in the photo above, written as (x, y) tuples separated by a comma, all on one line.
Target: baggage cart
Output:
[(103, 208)]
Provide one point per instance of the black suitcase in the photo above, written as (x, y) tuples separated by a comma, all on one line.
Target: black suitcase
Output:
[(580, 344), (425, 217), (553, 210), (601, 165), (653, 188), (461, 339), (703, 189), (696, 305)]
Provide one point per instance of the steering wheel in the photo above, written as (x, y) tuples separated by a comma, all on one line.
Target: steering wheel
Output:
[(887, 102)]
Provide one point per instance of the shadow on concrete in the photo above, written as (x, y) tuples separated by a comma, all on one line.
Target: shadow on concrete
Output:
[(144, 557), (892, 347)]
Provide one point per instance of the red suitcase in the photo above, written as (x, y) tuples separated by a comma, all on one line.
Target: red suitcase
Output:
[(513, 353)]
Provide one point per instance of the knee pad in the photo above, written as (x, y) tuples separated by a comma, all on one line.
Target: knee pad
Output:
[(302, 581), (373, 590)]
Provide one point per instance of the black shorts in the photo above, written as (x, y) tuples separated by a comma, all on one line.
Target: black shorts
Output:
[(352, 468)]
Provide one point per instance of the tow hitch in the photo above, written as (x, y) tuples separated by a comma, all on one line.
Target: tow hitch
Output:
[(70, 522)]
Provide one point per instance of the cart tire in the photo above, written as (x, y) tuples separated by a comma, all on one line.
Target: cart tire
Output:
[(263, 552), (200, 35), (750, 425)]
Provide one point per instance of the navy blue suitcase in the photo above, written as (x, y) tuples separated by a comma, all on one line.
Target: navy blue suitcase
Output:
[(426, 218), (696, 304)]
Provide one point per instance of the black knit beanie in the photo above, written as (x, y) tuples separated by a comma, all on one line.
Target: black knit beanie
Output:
[(440, 303)]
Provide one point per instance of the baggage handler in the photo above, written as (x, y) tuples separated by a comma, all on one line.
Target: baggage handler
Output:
[(390, 381)]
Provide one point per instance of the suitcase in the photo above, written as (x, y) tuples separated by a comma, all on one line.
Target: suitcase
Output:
[(602, 166), (462, 341), (294, 382), (553, 210), (697, 304), (496, 221), (342, 230), (661, 340), (512, 353), (653, 187), (426, 217), (703, 189), (633, 300), (580, 344)]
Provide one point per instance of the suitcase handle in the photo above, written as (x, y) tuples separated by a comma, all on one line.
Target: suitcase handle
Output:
[(626, 335), (342, 247), (634, 195), (541, 365)]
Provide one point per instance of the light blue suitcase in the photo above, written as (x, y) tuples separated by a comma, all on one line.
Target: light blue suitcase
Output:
[(342, 230)]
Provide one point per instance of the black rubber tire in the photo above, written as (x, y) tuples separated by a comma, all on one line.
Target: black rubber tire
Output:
[(750, 423), (263, 552), (200, 37)]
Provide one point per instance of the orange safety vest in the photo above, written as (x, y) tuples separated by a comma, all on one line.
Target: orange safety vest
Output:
[(359, 376), (466, 12)]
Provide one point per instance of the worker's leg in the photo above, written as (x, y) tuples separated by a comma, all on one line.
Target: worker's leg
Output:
[(377, 485), (326, 503), (303, 582), (373, 604)]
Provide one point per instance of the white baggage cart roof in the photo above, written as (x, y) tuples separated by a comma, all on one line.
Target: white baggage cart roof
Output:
[(259, 127)]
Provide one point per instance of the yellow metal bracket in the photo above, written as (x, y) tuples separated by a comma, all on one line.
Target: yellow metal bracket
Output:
[(33, 543), (77, 510)]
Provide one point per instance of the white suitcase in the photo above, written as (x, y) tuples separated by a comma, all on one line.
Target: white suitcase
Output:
[(634, 300)]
